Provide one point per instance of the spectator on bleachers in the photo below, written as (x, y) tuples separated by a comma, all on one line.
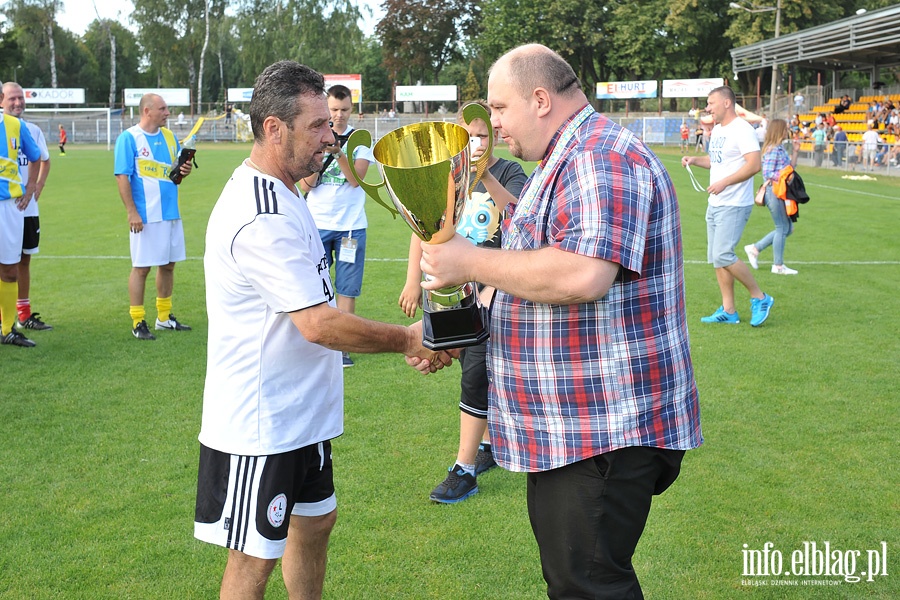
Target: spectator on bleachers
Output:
[(820, 141), (840, 146), (871, 142), (886, 107), (893, 124), (761, 128), (872, 111), (894, 159), (855, 156), (843, 105)]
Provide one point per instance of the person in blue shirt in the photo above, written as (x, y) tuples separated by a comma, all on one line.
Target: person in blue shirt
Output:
[(144, 156), (15, 195), (840, 146)]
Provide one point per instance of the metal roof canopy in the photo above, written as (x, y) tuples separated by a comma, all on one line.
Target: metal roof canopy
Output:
[(862, 42)]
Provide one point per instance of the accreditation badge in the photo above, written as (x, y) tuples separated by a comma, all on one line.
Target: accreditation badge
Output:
[(348, 250)]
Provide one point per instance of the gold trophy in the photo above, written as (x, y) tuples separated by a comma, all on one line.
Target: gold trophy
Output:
[(426, 169)]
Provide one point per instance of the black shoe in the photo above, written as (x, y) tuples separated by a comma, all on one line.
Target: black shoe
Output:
[(171, 324), (346, 361), (484, 460), (458, 486), (142, 332), (33, 322), (14, 338)]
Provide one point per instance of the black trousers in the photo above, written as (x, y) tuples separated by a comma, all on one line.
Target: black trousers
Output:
[(587, 518)]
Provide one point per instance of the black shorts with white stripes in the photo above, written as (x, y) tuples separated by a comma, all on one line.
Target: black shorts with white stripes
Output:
[(245, 502)]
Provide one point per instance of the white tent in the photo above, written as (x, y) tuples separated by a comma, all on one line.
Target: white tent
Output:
[(748, 116), (742, 112)]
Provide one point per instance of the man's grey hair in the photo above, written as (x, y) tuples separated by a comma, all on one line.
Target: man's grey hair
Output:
[(276, 93)]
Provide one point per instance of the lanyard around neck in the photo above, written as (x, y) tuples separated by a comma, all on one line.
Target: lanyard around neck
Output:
[(537, 182)]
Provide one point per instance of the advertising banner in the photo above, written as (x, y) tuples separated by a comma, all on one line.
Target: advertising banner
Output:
[(54, 95), (690, 88), (625, 90), (172, 96), (426, 93), (240, 94), (354, 82)]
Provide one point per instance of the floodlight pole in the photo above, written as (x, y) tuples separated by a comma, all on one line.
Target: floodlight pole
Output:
[(775, 65), (758, 9)]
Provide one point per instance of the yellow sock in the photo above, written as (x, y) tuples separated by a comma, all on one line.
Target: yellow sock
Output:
[(9, 292), (137, 315), (164, 308)]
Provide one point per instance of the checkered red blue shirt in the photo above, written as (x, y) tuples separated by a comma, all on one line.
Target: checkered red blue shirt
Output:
[(570, 382), (773, 162)]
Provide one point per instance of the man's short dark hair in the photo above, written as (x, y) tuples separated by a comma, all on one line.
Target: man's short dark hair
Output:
[(726, 92), (339, 92), (276, 93)]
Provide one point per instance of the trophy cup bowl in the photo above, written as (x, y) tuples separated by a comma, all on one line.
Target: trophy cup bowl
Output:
[(426, 169)]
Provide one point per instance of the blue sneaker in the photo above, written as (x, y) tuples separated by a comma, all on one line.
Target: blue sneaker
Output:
[(458, 486), (720, 316), (759, 309)]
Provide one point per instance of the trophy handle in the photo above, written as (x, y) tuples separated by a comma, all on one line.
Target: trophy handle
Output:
[(362, 137), (473, 111)]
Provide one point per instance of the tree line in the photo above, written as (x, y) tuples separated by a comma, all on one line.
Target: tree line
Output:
[(211, 45)]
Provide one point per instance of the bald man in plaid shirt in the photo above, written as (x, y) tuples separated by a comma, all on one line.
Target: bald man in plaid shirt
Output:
[(592, 386)]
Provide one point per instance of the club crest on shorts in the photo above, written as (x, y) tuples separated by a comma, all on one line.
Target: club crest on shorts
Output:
[(277, 510)]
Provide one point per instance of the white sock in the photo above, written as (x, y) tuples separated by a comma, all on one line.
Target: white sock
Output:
[(469, 469)]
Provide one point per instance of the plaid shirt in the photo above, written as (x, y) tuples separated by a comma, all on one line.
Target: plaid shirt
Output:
[(570, 382), (773, 162)]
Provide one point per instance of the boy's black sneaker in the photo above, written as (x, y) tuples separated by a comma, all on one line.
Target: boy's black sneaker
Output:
[(14, 338), (458, 486), (34, 322), (172, 324), (142, 332)]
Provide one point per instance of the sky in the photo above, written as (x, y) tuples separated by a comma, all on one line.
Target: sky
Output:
[(76, 15)]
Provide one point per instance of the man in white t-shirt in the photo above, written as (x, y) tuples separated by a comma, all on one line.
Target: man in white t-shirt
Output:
[(870, 140), (13, 103), (273, 397), (761, 129), (732, 161), (338, 205)]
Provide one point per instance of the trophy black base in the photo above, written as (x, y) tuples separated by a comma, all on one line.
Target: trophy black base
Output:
[(455, 328)]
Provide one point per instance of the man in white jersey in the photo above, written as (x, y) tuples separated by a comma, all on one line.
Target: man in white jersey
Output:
[(16, 193), (273, 397), (13, 103), (338, 205), (145, 153), (733, 159)]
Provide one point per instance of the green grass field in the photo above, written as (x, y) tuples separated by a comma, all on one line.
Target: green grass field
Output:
[(98, 446)]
